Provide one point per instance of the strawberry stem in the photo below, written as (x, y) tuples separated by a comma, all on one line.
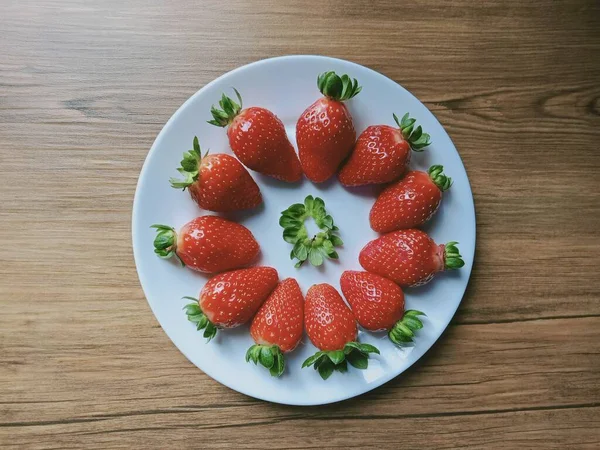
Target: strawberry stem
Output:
[(417, 139), (436, 173), (452, 257), (326, 362), (403, 331), (195, 315), (337, 88), (269, 356), (165, 242), (229, 109), (319, 247), (190, 166)]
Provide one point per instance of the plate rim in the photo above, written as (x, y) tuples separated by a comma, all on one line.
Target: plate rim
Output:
[(136, 205)]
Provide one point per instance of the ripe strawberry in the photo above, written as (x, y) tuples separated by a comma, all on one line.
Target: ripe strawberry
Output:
[(207, 244), (410, 202), (324, 132), (231, 299), (382, 153), (378, 304), (331, 327), (409, 257), (217, 182), (258, 139), (277, 327)]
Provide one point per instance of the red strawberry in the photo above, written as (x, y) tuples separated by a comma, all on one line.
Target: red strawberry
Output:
[(217, 182), (409, 257), (207, 244), (382, 153), (378, 304), (258, 139), (231, 299), (324, 132), (410, 202), (332, 328), (277, 327)]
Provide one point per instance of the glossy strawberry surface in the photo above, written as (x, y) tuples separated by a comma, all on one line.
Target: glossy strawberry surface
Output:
[(381, 155), (377, 303), (407, 257), (329, 322), (232, 298), (258, 139), (408, 203), (224, 185), (325, 136), (214, 244), (280, 319)]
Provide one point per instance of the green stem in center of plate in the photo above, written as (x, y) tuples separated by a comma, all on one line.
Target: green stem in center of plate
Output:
[(317, 248)]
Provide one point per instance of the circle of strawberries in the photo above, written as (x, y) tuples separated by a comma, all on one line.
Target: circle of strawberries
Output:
[(278, 313)]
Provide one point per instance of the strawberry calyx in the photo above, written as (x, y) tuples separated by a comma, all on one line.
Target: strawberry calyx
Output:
[(165, 242), (403, 331), (452, 257), (190, 167), (195, 315), (355, 353), (416, 138), (337, 88), (319, 247), (436, 173), (229, 109), (269, 356)]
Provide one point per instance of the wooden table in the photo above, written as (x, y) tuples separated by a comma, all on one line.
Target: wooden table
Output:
[(86, 86)]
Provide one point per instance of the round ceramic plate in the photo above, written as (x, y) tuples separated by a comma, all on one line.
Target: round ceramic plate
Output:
[(286, 86)]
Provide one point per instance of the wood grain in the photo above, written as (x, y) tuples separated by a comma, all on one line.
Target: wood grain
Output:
[(86, 86)]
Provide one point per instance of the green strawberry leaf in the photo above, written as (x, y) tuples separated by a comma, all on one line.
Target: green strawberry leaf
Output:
[(336, 240), (229, 109), (311, 360), (337, 87), (269, 357), (358, 359), (300, 251), (326, 369), (417, 139), (315, 257), (368, 348), (279, 366), (266, 357), (308, 204), (190, 165), (403, 332), (195, 315), (321, 246), (342, 367), (328, 246), (336, 356)]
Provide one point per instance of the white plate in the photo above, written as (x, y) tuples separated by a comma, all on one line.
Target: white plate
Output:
[(286, 86)]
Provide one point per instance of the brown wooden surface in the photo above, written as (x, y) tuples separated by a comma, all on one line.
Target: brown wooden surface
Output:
[(86, 86)]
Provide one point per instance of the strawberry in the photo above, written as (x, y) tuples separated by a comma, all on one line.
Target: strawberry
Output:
[(277, 327), (409, 257), (207, 244), (410, 202), (324, 132), (231, 299), (382, 153), (378, 304), (332, 328), (217, 182), (258, 139)]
